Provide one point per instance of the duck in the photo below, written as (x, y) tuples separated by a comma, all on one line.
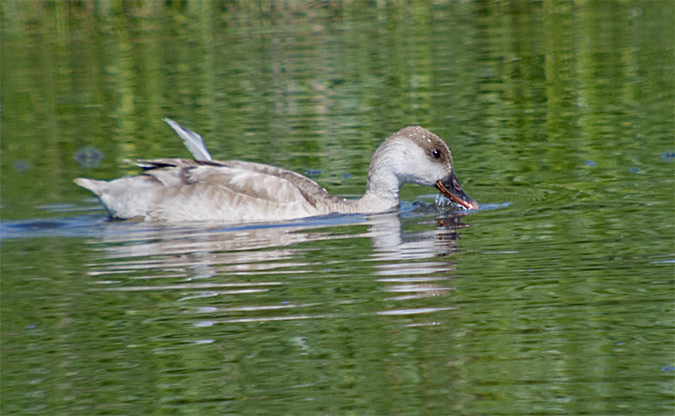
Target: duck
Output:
[(235, 191)]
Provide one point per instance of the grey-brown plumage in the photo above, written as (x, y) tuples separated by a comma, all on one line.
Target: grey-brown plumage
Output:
[(237, 191)]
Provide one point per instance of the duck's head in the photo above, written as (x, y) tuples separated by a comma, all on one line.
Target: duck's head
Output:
[(416, 155)]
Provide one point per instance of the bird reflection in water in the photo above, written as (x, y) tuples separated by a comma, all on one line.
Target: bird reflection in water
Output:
[(203, 261)]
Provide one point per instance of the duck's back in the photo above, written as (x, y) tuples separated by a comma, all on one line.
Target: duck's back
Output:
[(227, 191)]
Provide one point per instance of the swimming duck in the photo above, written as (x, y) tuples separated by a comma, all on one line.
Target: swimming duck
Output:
[(203, 189)]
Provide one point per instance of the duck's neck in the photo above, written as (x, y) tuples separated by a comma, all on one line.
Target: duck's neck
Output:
[(382, 190)]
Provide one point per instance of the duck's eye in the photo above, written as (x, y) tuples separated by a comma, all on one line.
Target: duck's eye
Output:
[(436, 153)]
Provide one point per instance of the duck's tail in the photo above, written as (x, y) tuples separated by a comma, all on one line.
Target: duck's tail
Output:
[(93, 185)]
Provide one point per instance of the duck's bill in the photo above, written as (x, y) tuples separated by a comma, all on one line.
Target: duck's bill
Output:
[(450, 187)]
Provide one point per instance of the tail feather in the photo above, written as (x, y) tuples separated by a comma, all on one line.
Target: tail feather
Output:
[(93, 185)]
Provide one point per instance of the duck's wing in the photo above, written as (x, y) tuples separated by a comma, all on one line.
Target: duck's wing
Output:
[(311, 191), (237, 185)]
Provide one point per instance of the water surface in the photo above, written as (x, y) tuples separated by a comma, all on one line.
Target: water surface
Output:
[(555, 298)]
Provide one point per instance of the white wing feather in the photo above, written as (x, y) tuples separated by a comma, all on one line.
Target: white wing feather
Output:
[(193, 141)]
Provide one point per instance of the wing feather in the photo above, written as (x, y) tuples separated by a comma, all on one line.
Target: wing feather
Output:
[(193, 141)]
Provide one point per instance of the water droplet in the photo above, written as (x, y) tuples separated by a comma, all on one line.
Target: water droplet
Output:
[(89, 157), (21, 166), (313, 172), (668, 156)]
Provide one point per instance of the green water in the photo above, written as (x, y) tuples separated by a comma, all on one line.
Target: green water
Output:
[(555, 298)]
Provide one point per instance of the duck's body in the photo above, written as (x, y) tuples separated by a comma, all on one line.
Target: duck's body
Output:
[(236, 191), (232, 191)]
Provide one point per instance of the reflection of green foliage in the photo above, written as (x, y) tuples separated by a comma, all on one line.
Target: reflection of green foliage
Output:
[(524, 92)]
